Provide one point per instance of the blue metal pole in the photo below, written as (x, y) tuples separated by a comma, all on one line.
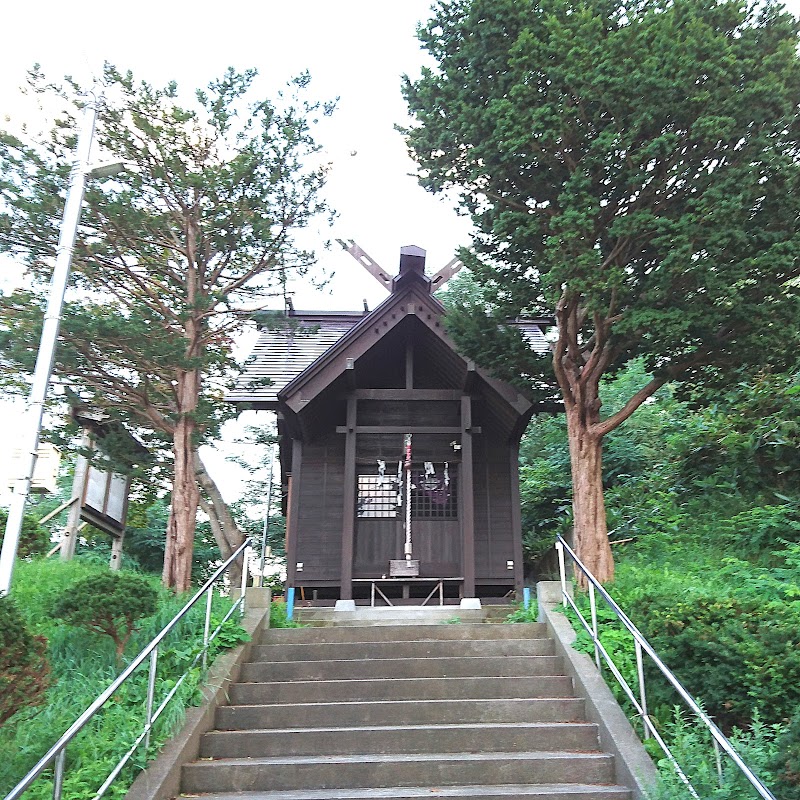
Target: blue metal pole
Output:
[(290, 602), (526, 597)]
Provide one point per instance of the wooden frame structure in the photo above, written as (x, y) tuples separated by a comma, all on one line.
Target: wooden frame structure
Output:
[(344, 411)]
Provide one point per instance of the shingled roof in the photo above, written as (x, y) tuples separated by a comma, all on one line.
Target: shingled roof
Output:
[(283, 353)]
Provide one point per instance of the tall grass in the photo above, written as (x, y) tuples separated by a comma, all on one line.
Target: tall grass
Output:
[(82, 666)]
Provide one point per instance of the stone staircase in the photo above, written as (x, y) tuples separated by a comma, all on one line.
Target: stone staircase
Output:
[(403, 711)]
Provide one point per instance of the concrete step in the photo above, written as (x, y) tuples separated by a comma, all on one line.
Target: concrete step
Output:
[(399, 712), (482, 737), (388, 770), (389, 615), (398, 633), (394, 704), (398, 689), (330, 651), (426, 667), (549, 791)]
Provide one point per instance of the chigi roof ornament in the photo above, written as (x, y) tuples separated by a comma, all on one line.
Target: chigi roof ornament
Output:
[(412, 261)]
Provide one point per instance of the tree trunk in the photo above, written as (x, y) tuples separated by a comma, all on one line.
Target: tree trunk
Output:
[(177, 573), (588, 503), (226, 532)]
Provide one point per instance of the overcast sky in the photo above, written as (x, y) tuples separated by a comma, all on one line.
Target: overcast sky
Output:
[(355, 50)]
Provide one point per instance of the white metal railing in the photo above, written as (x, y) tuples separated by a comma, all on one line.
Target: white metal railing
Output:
[(56, 755), (639, 701)]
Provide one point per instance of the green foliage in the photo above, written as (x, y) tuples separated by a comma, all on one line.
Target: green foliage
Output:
[(522, 614), (754, 648), (748, 438), (640, 463), (786, 762), (110, 604), (24, 671), (615, 158), (692, 747), (545, 486), (40, 583), (34, 540), (758, 529), (728, 629), (278, 618), (668, 471), (81, 670), (145, 542)]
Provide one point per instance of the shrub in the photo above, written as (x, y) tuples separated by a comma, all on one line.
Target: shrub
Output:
[(24, 671), (109, 604), (34, 540), (736, 654), (760, 528), (522, 614), (786, 763)]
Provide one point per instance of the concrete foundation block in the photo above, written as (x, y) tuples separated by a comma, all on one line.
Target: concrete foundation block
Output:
[(257, 597)]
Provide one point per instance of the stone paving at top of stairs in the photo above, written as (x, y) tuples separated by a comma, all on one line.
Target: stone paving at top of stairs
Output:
[(405, 711)]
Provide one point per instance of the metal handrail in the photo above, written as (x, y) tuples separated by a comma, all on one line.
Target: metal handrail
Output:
[(57, 753), (642, 645)]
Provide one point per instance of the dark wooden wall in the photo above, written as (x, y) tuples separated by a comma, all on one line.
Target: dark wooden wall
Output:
[(494, 539), (320, 507), (437, 542)]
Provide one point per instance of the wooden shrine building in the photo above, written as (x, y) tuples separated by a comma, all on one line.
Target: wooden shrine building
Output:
[(389, 435)]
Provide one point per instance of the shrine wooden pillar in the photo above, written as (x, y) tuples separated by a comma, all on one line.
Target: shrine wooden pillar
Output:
[(349, 513), (467, 498), (516, 520), (293, 512)]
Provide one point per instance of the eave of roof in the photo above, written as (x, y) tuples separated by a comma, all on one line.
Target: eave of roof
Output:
[(334, 360)]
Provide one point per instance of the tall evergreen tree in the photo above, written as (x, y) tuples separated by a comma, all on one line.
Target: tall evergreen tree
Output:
[(201, 224), (633, 169)]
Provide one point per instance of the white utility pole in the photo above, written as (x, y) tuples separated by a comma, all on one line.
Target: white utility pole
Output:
[(32, 424)]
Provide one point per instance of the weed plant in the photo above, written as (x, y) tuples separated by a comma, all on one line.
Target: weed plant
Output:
[(693, 749), (278, 618), (82, 666), (522, 614)]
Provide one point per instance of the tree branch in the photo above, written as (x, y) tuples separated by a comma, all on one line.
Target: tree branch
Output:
[(615, 420)]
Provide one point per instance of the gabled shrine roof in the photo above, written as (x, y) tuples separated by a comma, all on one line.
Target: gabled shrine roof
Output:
[(286, 355), (282, 354)]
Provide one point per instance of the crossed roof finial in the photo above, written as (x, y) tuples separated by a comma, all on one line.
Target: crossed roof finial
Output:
[(385, 279)]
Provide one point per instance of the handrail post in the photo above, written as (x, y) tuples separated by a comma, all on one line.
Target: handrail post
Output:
[(151, 690), (642, 691), (207, 625), (562, 573), (718, 757), (58, 776), (245, 567), (595, 631)]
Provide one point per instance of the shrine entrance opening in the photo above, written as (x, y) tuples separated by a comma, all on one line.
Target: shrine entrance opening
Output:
[(390, 496)]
